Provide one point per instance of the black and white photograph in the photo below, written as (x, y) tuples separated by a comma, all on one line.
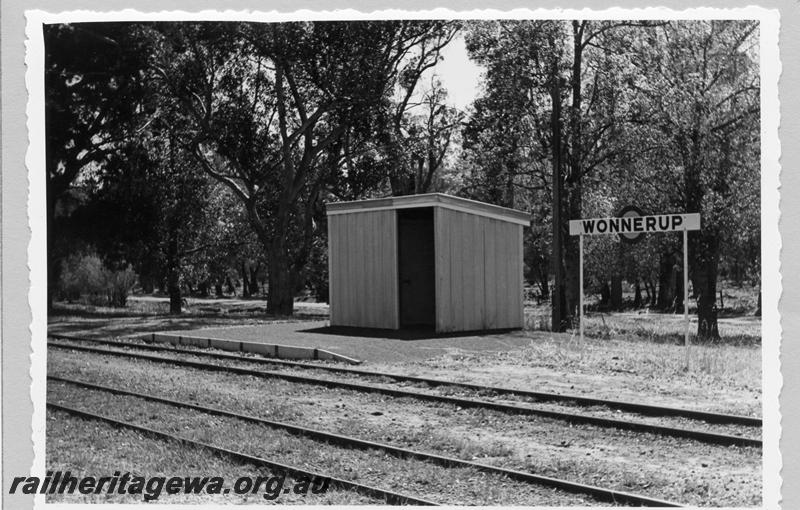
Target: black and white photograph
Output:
[(498, 259)]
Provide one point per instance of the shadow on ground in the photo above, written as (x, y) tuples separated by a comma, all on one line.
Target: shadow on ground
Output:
[(399, 334)]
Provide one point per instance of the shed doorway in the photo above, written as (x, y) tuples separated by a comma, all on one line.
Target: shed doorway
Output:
[(416, 268)]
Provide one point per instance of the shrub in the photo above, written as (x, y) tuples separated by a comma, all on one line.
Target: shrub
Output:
[(82, 278), (85, 278), (119, 286)]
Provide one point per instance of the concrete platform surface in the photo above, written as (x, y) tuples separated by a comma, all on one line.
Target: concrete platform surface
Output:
[(367, 344)]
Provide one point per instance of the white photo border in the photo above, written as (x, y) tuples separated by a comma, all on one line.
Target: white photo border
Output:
[(771, 243)]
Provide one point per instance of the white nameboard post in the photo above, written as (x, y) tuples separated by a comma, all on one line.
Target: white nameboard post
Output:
[(632, 226)]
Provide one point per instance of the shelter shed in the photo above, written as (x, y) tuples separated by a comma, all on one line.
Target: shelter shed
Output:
[(425, 261)]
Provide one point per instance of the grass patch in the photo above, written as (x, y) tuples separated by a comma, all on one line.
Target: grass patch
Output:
[(669, 328), (651, 326), (732, 367)]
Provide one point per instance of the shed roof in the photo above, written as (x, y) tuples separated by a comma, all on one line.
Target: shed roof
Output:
[(431, 200)]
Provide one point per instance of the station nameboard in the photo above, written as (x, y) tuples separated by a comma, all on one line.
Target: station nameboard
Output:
[(635, 224)]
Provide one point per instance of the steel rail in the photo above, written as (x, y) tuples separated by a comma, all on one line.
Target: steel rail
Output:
[(392, 498), (698, 435), (635, 407), (599, 493)]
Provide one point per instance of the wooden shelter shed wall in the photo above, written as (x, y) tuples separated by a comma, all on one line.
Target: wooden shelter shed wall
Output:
[(362, 262), (478, 272)]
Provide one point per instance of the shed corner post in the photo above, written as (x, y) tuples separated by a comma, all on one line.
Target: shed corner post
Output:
[(395, 233), (522, 275), (438, 267), (331, 277)]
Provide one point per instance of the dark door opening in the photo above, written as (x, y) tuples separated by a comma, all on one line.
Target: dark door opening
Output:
[(416, 267)]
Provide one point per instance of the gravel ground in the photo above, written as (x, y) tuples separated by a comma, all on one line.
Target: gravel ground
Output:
[(599, 411), (667, 468), (420, 479), (108, 449), (511, 364), (723, 378)]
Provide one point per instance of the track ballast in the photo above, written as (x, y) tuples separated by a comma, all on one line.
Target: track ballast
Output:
[(392, 498), (574, 418), (599, 493), (635, 407)]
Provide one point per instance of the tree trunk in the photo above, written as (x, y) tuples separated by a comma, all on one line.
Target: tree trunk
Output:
[(605, 296), (704, 279), (245, 280), (575, 174), (558, 304), (419, 175), (173, 277), (677, 284), (616, 279), (616, 292), (572, 263), (666, 282), (544, 282), (280, 300), (218, 289), (738, 274), (254, 290), (637, 294), (652, 293)]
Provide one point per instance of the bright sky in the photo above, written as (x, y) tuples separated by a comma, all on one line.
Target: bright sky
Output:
[(458, 74)]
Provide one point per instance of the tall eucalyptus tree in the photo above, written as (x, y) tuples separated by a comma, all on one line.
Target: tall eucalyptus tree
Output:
[(276, 110)]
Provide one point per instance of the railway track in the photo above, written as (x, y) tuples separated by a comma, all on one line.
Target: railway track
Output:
[(570, 417), (392, 498), (634, 407), (598, 493)]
